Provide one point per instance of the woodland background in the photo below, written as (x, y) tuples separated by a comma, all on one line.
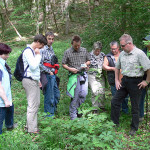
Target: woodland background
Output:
[(93, 20)]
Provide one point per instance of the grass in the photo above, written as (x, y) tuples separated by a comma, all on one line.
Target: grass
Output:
[(90, 132)]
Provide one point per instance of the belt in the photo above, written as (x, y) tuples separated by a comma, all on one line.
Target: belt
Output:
[(132, 77), (28, 77)]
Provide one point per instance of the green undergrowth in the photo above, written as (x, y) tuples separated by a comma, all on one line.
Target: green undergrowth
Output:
[(92, 131)]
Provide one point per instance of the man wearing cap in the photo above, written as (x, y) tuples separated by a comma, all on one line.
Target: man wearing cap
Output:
[(146, 50), (133, 63), (6, 105)]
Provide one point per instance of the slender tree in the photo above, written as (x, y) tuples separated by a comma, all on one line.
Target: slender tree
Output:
[(67, 21)]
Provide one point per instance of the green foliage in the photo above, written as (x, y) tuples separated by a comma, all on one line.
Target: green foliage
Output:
[(95, 131), (78, 13), (89, 132), (113, 18), (23, 22)]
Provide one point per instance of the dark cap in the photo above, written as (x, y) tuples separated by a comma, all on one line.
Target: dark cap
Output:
[(147, 38), (4, 49)]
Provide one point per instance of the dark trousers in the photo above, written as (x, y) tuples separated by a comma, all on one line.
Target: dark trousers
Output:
[(129, 86), (124, 102), (141, 105), (7, 114)]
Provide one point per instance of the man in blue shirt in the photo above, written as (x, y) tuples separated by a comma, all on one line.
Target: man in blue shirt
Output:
[(6, 106)]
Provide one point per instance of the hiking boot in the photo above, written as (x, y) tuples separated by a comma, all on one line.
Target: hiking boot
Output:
[(79, 115), (103, 109), (13, 127), (132, 132), (141, 119), (95, 111), (116, 126)]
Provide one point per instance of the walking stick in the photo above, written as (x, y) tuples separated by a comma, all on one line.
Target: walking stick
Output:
[(146, 105)]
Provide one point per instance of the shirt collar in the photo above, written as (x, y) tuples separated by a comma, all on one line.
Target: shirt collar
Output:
[(132, 52), (2, 61), (73, 50), (47, 47), (92, 53)]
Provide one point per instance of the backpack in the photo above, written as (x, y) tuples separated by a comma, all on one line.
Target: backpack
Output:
[(19, 70)]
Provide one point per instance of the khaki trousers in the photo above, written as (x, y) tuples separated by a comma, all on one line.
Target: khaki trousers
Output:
[(33, 97), (98, 90)]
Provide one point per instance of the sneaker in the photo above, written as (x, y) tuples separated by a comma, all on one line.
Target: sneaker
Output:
[(13, 127), (116, 126), (95, 111), (79, 115), (141, 119), (132, 132), (103, 109)]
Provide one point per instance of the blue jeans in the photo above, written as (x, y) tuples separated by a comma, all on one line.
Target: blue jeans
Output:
[(51, 95), (7, 114), (141, 105), (124, 102)]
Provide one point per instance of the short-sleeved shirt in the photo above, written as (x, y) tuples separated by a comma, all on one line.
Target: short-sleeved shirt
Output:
[(133, 64), (74, 58), (97, 61), (5, 81)]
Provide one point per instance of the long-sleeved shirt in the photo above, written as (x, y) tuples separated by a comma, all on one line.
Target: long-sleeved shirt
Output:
[(33, 60), (46, 53)]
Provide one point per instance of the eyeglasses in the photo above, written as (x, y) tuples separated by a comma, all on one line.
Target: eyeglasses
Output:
[(124, 45), (113, 49)]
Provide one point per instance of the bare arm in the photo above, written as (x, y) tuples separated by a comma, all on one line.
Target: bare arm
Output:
[(3, 96), (106, 65), (73, 70), (144, 83), (88, 63), (117, 82)]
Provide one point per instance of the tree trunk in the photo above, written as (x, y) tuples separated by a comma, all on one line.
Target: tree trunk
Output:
[(54, 16), (37, 16), (15, 2), (44, 16), (10, 21), (2, 22), (123, 22), (89, 8), (67, 21)]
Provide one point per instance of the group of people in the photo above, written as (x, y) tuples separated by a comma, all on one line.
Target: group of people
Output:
[(125, 71)]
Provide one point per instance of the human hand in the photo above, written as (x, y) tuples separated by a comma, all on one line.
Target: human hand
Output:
[(143, 84), (51, 73), (7, 103), (113, 69), (73, 70), (40, 84), (37, 51), (118, 84)]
